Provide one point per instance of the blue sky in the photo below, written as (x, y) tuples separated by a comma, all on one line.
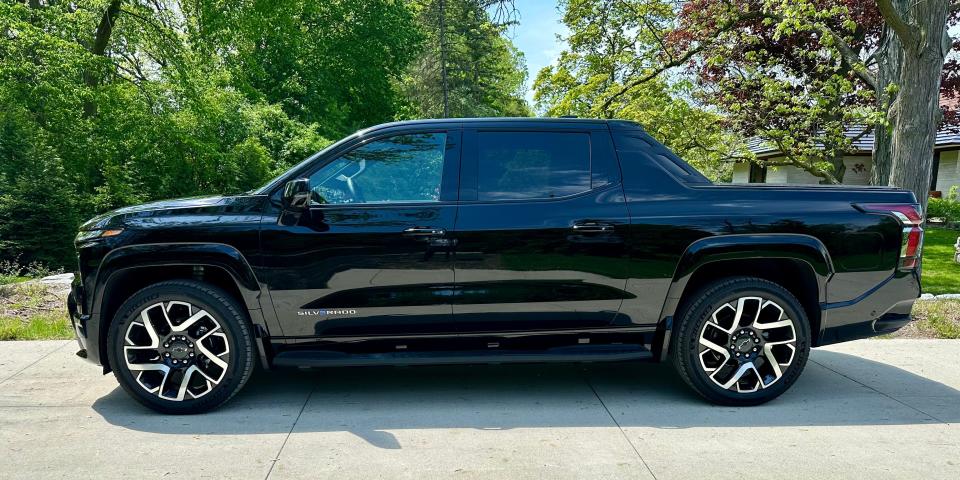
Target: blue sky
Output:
[(536, 36)]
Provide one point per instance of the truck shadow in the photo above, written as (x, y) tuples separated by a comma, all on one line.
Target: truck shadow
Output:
[(835, 390)]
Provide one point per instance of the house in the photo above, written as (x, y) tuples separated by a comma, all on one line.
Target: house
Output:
[(946, 164)]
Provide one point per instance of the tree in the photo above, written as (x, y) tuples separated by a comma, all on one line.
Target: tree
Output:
[(921, 30), (606, 72), (113, 102), (468, 68), (864, 41), (784, 84), (334, 63)]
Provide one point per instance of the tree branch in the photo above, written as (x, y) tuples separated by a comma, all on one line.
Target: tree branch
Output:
[(676, 61), (851, 58), (904, 30)]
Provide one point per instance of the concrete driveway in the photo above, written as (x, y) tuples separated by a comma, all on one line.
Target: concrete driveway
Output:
[(868, 409)]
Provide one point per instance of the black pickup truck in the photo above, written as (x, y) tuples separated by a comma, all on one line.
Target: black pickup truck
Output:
[(492, 240)]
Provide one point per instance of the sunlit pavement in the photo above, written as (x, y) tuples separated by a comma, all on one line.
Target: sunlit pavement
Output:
[(868, 409)]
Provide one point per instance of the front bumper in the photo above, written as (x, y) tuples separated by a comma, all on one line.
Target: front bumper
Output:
[(884, 309), (89, 345)]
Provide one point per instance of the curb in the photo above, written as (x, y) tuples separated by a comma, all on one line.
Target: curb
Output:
[(945, 296)]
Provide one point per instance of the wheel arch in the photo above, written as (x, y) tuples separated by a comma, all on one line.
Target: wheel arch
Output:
[(127, 270), (800, 263)]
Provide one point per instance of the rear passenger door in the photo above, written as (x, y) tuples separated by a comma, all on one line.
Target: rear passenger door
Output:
[(539, 229)]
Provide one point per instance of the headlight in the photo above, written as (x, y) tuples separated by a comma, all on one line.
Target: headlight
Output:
[(92, 234)]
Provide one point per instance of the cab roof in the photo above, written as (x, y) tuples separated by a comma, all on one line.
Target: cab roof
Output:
[(508, 121)]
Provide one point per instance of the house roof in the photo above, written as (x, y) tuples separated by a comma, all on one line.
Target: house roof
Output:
[(946, 137)]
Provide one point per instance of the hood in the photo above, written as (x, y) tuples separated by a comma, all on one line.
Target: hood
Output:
[(164, 208)]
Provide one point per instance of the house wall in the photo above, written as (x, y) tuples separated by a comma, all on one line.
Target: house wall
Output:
[(741, 172), (857, 173), (949, 173)]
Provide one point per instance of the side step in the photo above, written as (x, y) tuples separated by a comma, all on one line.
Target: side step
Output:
[(584, 353)]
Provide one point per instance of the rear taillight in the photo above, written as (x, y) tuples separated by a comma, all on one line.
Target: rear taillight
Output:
[(910, 216)]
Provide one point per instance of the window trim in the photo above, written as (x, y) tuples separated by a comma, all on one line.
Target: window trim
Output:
[(451, 162), (470, 164)]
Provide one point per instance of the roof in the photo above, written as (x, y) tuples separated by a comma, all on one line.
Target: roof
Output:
[(946, 138), (509, 120)]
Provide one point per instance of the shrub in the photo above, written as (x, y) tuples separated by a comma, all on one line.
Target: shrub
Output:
[(946, 209)]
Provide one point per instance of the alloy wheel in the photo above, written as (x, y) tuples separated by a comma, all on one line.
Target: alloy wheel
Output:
[(176, 350), (747, 344)]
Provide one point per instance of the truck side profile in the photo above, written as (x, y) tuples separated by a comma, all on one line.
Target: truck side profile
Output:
[(492, 240)]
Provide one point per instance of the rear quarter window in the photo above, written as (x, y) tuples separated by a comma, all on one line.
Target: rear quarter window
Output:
[(640, 142)]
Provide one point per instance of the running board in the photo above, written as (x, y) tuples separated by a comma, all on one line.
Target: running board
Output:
[(585, 353)]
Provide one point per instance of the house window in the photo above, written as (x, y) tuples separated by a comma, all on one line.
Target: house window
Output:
[(758, 173), (936, 170)]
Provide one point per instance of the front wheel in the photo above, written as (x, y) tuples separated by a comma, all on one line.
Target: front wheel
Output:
[(181, 347), (742, 341)]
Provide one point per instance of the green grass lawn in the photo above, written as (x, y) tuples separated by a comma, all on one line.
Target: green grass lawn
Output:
[(940, 273), (29, 311)]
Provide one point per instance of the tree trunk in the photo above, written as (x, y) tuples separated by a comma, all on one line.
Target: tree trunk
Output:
[(839, 169), (443, 59), (98, 48), (916, 110), (889, 61)]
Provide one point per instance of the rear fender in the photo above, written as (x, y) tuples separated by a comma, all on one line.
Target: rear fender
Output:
[(802, 248)]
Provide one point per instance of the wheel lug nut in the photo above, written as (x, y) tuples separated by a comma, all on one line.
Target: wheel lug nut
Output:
[(175, 361), (166, 354), (191, 354), (738, 354)]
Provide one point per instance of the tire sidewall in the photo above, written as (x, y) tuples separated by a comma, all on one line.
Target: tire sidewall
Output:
[(701, 313), (225, 311)]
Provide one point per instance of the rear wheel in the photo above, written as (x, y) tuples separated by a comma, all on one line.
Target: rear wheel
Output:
[(181, 347), (742, 341)]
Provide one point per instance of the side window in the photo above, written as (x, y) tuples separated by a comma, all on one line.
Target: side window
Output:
[(403, 168), (525, 165)]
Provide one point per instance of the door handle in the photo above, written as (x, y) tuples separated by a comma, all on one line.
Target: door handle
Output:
[(424, 232), (593, 227)]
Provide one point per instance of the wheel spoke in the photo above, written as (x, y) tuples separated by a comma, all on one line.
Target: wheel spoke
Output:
[(148, 326), (215, 358), (746, 367), (190, 321)]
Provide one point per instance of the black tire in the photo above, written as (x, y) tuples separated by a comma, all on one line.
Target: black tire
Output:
[(222, 308), (686, 345)]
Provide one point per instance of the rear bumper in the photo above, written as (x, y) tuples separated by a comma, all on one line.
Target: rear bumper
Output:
[(884, 309)]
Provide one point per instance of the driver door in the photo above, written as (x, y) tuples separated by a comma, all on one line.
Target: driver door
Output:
[(372, 256)]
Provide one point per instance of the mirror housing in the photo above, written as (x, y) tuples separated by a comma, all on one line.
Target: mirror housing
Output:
[(296, 195)]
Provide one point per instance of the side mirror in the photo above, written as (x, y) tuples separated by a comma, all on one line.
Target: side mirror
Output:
[(296, 195)]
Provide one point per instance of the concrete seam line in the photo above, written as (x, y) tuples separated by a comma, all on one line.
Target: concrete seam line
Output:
[(615, 422), (303, 407), (51, 352), (901, 402)]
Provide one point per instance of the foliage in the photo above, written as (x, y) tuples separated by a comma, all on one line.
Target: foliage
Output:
[(330, 63), (467, 54), (778, 78), (605, 73), (947, 209), (108, 103)]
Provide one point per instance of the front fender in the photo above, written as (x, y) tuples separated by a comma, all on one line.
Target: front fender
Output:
[(173, 254)]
